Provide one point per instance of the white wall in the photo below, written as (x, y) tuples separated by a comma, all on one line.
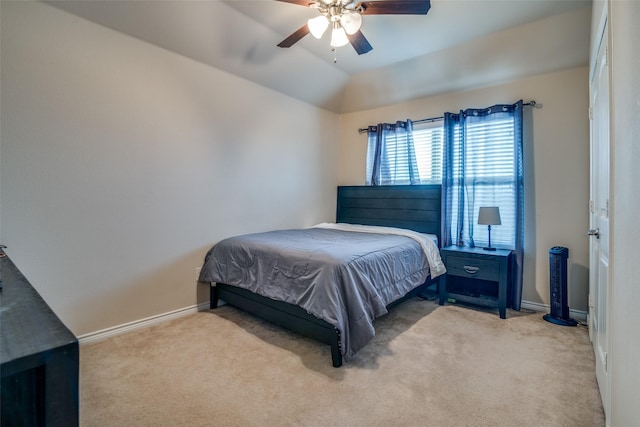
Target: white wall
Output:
[(556, 161), (536, 47), (122, 163), (624, 315)]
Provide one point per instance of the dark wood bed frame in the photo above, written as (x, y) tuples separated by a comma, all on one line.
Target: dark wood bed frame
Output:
[(414, 207)]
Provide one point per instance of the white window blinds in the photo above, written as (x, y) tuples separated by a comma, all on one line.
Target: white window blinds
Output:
[(488, 173), (428, 139), (395, 156)]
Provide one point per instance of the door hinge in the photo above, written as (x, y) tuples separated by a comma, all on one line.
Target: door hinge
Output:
[(590, 113)]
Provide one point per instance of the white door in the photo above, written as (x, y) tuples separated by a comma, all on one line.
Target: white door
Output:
[(599, 221)]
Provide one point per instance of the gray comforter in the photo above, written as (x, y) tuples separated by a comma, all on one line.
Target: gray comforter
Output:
[(344, 278)]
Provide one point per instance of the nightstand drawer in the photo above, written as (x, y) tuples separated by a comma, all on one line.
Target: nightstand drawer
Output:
[(473, 268)]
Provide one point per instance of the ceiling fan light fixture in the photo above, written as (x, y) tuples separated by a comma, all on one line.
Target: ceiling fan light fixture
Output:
[(345, 17), (318, 25), (351, 22), (338, 36)]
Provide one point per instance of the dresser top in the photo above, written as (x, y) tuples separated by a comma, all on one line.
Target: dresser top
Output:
[(28, 326)]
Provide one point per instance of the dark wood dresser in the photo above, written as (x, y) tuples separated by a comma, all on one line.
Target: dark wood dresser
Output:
[(39, 357)]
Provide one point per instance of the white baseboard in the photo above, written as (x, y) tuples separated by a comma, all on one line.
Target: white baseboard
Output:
[(536, 306), (142, 323), (181, 312)]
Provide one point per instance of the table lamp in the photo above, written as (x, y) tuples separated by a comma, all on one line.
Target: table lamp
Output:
[(489, 216)]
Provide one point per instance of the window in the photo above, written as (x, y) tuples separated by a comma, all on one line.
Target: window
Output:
[(405, 148), (427, 139), (484, 166)]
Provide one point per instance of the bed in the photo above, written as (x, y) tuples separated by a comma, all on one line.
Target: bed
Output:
[(338, 277)]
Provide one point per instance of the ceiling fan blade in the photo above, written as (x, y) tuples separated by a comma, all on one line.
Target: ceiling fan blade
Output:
[(293, 38), (394, 7), (359, 42), (306, 3)]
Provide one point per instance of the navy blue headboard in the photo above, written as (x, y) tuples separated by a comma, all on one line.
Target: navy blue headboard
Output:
[(414, 207)]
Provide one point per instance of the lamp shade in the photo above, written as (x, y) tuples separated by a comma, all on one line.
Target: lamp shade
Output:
[(489, 216), (338, 37), (318, 25), (351, 22)]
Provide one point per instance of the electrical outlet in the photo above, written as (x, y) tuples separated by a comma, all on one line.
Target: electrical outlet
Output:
[(198, 273)]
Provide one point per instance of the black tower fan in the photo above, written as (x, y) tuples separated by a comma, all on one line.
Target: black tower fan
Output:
[(558, 287)]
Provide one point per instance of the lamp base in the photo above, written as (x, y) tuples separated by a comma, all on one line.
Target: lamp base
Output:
[(489, 248)]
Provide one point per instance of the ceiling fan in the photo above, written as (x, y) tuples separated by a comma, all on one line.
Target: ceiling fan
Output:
[(345, 19)]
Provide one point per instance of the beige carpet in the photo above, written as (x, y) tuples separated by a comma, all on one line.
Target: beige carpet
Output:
[(427, 366)]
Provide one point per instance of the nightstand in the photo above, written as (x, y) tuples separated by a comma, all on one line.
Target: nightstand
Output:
[(476, 266)]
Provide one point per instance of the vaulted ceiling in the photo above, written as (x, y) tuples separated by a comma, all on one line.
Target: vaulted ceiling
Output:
[(459, 44)]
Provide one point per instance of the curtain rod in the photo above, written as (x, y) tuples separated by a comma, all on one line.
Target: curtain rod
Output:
[(435, 119)]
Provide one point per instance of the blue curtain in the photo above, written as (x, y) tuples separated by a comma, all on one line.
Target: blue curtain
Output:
[(483, 166), (391, 154)]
